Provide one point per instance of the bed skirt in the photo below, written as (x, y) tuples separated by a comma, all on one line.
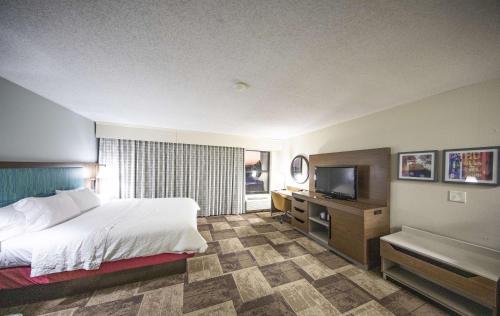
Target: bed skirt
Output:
[(16, 281)]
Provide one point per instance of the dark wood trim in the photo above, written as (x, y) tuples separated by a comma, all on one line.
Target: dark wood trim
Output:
[(16, 164), (35, 293)]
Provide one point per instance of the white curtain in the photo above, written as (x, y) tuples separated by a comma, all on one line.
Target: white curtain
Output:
[(211, 175)]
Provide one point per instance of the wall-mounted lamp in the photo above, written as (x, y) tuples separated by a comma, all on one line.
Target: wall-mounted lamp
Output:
[(92, 174), (102, 173), (89, 177)]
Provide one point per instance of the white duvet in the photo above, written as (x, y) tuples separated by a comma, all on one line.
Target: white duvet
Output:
[(119, 229)]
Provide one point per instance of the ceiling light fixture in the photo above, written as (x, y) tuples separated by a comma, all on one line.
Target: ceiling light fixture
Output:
[(241, 86)]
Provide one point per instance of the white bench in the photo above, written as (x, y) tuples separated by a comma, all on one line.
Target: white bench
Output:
[(461, 276)]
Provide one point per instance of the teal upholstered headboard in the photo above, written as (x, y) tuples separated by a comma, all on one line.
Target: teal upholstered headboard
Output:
[(20, 180)]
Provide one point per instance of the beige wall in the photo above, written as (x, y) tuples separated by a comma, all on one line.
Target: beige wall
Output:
[(465, 117)]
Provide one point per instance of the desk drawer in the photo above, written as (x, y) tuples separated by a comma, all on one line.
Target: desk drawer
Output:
[(299, 213), (299, 203), (300, 224)]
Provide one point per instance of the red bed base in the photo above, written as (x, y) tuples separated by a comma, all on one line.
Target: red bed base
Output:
[(19, 277)]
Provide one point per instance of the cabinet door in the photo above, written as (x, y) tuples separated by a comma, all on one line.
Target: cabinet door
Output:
[(347, 234)]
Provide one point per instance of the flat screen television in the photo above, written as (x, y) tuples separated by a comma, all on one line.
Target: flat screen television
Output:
[(337, 182)]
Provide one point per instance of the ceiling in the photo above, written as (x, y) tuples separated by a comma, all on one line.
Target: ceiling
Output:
[(309, 64)]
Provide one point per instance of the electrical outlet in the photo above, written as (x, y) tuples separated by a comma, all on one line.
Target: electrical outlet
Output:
[(457, 196)]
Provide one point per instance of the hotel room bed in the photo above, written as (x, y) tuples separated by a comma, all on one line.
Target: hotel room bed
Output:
[(118, 231), (82, 247)]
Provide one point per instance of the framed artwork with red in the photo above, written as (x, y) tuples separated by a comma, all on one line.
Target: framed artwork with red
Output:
[(471, 165), (418, 165)]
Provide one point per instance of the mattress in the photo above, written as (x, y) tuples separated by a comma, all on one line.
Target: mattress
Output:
[(117, 230)]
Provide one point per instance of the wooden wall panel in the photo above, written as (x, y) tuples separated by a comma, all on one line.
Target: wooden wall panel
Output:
[(374, 167)]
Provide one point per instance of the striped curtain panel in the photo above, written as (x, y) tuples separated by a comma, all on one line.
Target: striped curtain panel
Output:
[(211, 175)]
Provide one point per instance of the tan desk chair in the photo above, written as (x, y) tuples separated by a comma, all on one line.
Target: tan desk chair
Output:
[(280, 203)]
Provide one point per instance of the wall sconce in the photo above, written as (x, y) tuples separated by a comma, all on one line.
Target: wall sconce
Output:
[(89, 177), (102, 173)]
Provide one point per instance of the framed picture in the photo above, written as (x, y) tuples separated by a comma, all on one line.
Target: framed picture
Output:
[(418, 165), (471, 165)]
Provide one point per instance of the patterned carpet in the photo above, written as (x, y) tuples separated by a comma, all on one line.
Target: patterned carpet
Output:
[(254, 266)]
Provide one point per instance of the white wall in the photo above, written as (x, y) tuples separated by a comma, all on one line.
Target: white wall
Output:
[(465, 117), (33, 128)]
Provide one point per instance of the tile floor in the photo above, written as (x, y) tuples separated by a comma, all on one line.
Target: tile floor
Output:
[(253, 266)]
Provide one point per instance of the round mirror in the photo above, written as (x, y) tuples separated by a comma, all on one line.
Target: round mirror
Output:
[(299, 169)]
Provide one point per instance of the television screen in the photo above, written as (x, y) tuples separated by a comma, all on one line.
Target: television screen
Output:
[(339, 182)]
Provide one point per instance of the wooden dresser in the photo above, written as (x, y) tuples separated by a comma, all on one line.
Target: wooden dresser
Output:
[(353, 228)]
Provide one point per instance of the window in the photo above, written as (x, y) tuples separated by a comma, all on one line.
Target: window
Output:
[(256, 171)]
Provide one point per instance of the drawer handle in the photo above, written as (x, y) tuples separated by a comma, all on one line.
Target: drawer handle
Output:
[(299, 210), (298, 220), (299, 200)]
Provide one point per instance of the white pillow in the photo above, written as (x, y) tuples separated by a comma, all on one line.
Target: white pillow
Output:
[(12, 223), (84, 198), (42, 213)]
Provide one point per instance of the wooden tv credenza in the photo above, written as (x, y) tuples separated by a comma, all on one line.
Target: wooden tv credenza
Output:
[(354, 227), (353, 230)]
